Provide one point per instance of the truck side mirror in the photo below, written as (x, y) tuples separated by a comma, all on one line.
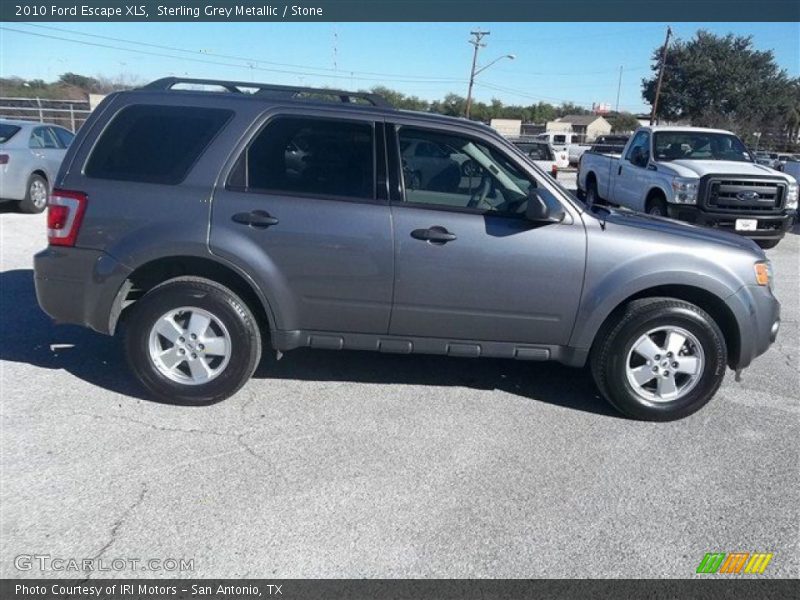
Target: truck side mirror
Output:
[(543, 208)]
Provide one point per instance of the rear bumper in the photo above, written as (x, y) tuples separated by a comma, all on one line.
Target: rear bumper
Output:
[(79, 286), (758, 314), (769, 227)]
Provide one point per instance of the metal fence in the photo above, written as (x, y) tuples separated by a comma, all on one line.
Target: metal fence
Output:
[(67, 113)]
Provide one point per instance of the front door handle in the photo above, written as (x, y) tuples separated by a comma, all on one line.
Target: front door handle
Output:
[(435, 235), (256, 218)]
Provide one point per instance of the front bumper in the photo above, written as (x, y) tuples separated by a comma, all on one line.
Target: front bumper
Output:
[(79, 286), (770, 226), (758, 315)]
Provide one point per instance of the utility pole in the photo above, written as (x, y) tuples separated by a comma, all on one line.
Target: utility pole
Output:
[(619, 89), (660, 77), (476, 41)]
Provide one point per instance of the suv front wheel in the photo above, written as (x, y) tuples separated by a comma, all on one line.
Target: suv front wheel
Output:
[(192, 341), (660, 360)]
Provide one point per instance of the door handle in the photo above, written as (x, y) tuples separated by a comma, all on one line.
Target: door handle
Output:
[(435, 235), (619, 171), (256, 218)]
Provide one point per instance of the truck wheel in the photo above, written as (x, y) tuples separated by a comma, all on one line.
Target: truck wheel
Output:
[(657, 207), (192, 341), (660, 359), (36, 195), (592, 196), (767, 244)]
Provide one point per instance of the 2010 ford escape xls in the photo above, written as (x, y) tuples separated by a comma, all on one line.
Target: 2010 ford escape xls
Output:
[(208, 221)]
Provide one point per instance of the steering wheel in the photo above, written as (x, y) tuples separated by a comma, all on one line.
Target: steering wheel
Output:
[(470, 168), (478, 197)]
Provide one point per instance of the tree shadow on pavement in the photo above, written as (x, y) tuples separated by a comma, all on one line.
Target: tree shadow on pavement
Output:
[(29, 336)]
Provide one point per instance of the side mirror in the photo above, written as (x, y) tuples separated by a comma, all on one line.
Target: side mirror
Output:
[(543, 209)]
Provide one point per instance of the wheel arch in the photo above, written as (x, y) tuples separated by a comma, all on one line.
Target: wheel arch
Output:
[(704, 299), (655, 192), (147, 275)]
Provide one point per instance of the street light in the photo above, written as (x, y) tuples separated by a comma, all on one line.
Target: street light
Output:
[(475, 72)]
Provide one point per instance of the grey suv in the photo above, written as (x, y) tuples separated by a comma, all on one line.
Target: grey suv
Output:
[(207, 222)]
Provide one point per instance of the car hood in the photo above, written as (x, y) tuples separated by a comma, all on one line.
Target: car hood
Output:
[(698, 168), (677, 231)]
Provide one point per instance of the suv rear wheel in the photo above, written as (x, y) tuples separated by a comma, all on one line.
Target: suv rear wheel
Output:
[(192, 341), (660, 360)]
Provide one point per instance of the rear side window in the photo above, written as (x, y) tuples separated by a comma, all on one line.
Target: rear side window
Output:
[(310, 157), (64, 136), (43, 137), (154, 144), (7, 132)]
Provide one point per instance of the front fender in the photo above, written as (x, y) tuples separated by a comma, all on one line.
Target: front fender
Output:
[(623, 262)]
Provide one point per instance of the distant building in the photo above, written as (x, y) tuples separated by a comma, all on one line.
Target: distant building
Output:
[(587, 126), (507, 127)]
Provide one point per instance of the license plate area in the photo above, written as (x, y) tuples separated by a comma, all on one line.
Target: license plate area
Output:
[(746, 224)]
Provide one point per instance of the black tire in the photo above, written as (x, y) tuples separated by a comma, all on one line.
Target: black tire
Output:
[(616, 338), (30, 204), (224, 305), (657, 207), (592, 195), (767, 244)]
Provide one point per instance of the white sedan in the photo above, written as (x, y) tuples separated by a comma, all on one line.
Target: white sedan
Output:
[(30, 156)]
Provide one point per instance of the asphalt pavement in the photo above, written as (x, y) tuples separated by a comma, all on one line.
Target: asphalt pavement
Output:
[(354, 464)]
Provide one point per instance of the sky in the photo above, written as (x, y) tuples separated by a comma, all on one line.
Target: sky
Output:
[(554, 62)]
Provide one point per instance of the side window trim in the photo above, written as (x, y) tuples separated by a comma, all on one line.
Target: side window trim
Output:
[(241, 154)]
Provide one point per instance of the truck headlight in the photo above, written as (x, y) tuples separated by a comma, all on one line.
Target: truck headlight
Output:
[(791, 196), (684, 190)]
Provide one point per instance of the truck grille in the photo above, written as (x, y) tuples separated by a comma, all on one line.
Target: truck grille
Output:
[(744, 195)]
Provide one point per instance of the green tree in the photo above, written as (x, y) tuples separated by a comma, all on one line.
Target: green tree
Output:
[(623, 122), (721, 81), (80, 81)]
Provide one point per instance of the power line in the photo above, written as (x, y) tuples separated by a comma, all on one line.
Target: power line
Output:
[(237, 57)]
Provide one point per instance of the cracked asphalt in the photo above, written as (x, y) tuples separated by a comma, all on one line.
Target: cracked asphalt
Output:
[(363, 465)]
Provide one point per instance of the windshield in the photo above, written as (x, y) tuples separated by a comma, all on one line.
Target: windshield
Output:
[(699, 145), (7, 132), (536, 151)]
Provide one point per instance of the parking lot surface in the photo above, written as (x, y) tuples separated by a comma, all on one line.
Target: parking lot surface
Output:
[(365, 465)]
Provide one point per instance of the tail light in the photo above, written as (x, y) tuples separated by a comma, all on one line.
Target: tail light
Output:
[(64, 215), (3, 159), (554, 171)]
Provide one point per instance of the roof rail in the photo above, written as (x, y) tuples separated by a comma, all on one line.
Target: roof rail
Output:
[(269, 89)]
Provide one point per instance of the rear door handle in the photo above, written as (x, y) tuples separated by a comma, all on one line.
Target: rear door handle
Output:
[(256, 218), (435, 235)]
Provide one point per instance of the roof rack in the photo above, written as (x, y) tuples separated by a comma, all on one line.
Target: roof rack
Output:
[(269, 89)]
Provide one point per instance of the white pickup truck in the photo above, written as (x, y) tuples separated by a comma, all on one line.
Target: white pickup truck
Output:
[(704, 176)]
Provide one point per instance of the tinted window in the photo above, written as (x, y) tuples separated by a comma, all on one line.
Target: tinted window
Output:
[(7, 132), (154, 144), (315, 157), (64, 136), (469, 174), (559, 139), (536, 151), (641, 141), (43, 137)]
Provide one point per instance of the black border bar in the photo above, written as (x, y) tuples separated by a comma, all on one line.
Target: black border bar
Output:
[(713, 587), (673, 11)]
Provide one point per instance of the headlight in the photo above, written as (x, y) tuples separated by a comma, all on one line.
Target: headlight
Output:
[(684, 190), (763, 269), (791, 196)]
